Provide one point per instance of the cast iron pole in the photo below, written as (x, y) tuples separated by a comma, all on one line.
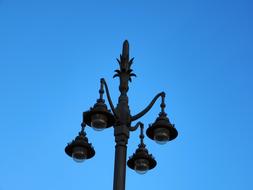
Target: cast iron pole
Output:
[(123, 120)]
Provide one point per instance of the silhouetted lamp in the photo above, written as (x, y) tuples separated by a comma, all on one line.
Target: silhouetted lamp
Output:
[(162, 131), (80, 149), (99, 117), (141, 161)]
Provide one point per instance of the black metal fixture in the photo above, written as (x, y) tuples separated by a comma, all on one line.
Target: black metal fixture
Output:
[(80, 149), (99, 117), (141, 161), (162, 130)]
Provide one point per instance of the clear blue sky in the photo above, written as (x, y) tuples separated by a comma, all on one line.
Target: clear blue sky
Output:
[(53, 53)]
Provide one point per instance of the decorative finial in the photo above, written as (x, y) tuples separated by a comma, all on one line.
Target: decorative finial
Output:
[(125, 63), (125, 50)]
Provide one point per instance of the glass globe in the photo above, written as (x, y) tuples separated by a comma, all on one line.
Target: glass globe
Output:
[(161, 135), (98, 122), (79, 154), (141, 166)]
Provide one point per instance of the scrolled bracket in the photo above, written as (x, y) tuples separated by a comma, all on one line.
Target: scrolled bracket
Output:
[(143, 112), (138, 124), (102, 80)]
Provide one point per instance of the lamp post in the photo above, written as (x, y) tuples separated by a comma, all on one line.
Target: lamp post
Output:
[(99, 117)]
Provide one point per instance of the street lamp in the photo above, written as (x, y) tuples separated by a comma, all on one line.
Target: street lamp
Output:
[(141, 161), (99, 117), (79, 149)]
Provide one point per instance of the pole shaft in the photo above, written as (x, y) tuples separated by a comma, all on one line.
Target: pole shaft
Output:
[(120, 167), (123, 121)]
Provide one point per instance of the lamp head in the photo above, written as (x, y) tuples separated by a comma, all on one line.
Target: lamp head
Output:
[(99, 117), (141, 161), (79, 149), (162, 130)]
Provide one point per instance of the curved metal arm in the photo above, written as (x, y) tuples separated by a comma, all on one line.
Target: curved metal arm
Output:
[(141, 125), (143, 112), (102, 80), (136, 126)]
